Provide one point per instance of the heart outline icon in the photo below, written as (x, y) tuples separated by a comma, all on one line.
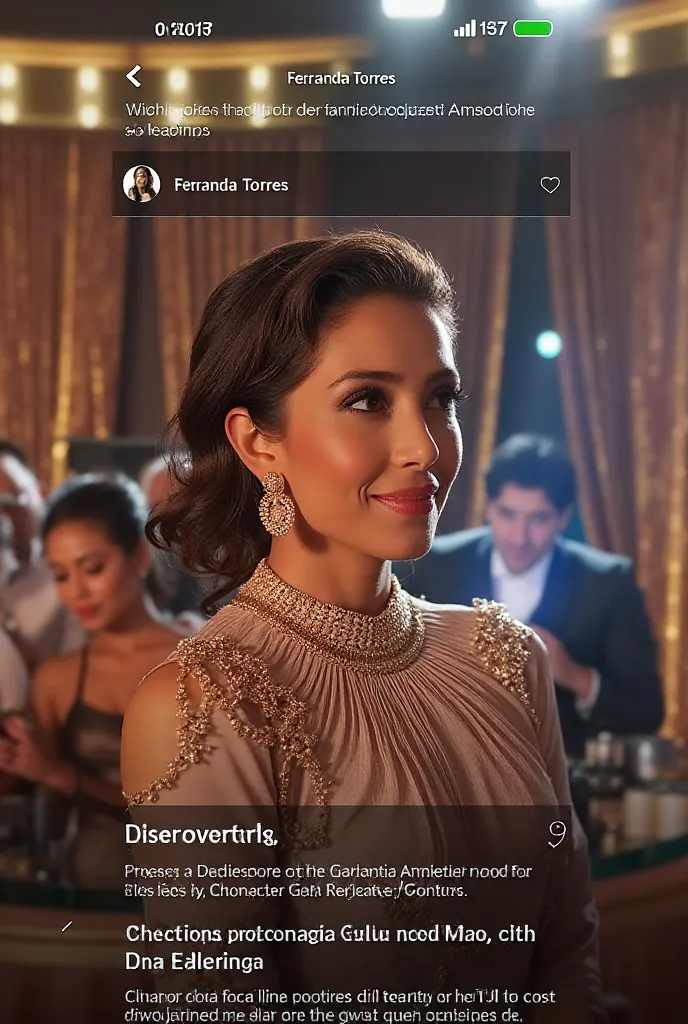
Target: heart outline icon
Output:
[(550, 184)]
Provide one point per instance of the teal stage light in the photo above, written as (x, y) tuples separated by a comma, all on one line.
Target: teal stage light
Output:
[(548, 344)]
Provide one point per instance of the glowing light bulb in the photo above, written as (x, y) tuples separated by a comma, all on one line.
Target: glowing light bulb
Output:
[(89, 79), (548, 345), (9, 112), (9, 76), (620, 55), (89, 115), (259, 77), (178, 79)]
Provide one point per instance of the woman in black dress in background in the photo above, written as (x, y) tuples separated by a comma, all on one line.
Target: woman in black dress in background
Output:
[(94, 543)]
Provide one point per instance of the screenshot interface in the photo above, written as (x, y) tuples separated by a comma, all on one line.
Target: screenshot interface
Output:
[(343, 504)]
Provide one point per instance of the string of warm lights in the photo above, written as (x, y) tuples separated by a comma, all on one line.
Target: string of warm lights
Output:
[(62, 83), (621, 54), (90, 92), (9, 100), (88, 85)]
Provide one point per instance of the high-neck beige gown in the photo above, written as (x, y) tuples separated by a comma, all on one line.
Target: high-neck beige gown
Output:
[(423, 707)]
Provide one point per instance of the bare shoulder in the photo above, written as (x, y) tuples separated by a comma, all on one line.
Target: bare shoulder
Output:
[(155, 692), (52, 688), (161, 704), (149, 732), (59, 665), (54, 674)]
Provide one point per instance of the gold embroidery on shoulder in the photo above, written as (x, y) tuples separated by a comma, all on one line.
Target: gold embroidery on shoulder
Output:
[(246, 681), (502, 644)]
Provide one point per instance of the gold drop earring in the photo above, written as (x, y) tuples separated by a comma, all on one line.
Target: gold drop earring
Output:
[(276, 509)]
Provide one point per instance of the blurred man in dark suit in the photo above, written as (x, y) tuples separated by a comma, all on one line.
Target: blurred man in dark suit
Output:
[(583, 603)]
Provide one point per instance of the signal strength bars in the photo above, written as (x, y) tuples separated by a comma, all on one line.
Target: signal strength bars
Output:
[(469, 29)]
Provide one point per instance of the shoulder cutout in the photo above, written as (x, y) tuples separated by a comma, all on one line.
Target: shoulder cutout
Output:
[(503, 645), (228, 677)]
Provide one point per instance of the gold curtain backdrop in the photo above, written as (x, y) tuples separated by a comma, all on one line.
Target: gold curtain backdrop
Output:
[(619, 273), (62, 276)]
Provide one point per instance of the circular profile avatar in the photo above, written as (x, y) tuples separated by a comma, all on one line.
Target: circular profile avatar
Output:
[(141, 184)]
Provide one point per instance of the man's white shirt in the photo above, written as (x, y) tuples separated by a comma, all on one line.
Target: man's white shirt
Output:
[(521, 593)]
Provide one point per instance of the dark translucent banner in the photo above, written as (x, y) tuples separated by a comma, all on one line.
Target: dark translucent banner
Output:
[(354, 914), (347, 184), (343, 915)]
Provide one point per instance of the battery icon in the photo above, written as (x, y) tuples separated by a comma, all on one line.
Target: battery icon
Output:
[(533, 28)]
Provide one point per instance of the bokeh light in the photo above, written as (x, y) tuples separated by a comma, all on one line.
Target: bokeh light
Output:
[(548, 344)]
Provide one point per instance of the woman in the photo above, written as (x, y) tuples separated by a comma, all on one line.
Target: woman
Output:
[(142, 190), (94, 542), (320, 415)]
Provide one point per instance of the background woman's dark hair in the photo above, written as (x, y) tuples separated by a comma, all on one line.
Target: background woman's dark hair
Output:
[(134, 191), (258, 339), (110, 500)]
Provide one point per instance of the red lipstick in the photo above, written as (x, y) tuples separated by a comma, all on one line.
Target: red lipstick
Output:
[(412, 501), (88, 611)]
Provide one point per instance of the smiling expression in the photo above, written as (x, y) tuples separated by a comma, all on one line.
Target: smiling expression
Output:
[(372, 442)]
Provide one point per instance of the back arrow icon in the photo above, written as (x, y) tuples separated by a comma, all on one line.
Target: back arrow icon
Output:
[(132, 76)]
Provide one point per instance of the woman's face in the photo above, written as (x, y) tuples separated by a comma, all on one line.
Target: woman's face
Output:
[(372, 443), (95, 578), (141, 179)]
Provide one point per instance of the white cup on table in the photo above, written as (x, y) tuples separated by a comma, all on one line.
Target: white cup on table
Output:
[(672, 815), (639, 814)]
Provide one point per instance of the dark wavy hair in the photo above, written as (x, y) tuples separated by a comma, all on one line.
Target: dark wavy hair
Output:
[(110, 500), (257, 341), (134, 192), (534, 462)]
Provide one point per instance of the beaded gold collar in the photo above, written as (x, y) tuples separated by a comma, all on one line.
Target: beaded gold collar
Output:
[(380, 643)]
